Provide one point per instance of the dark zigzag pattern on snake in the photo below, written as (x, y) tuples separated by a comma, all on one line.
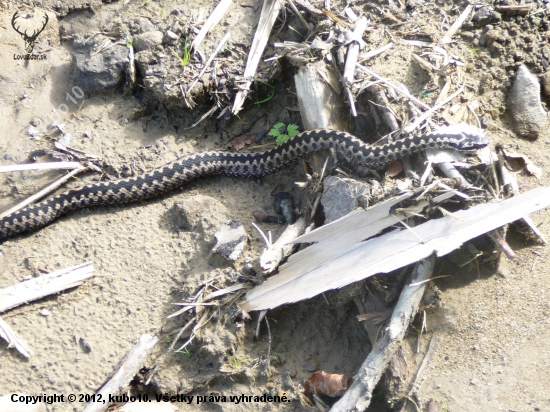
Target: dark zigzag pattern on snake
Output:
[(182, 170)]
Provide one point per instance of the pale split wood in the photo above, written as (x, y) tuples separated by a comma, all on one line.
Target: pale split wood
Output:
[(128, 368), (282, 247), (448, 38), (13, 339), (268, 15), (40, 166), (45, 285), (359, 394), (214, 18), (394, 250)]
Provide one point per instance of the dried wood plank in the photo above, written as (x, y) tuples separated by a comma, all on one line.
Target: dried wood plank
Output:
[(282, 247), (359, 394), (214, 18), (394, 250), (45, 285), (321, 106), (13, 339), (457, 24), (129, 367), (333, 239), (40, 166), (269, 13)]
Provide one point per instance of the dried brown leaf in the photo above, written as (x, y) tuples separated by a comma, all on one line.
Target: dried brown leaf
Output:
[(329, 384)]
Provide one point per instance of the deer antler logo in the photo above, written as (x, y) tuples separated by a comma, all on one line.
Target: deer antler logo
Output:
[(29, 40)]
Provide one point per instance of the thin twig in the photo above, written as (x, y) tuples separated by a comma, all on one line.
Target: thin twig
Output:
[(43, 192), (40, 166)]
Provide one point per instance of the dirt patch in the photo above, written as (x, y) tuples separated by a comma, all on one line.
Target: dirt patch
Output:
[(492, 331)]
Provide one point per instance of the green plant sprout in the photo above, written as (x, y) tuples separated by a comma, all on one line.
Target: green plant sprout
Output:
[(283, 132), (271, 93), (185, 351), (186, 58)]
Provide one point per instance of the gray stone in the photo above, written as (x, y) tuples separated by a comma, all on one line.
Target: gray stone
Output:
[(147, 40), (525, 105), (145, 25), (100, 71), (342, 196), (545, 79), (231, 239)]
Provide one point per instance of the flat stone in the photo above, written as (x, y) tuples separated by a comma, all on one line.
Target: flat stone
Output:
[(101, 71), (147, 40), (145, 25), (342, 196), (545, 79), (525, 105), (231, 237)]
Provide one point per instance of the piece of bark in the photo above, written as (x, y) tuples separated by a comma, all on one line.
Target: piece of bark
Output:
[(268, 16), (392, 251), (129, 367), (321, 106), (274, 254), (359, 395), (45, 285), (13, 339)]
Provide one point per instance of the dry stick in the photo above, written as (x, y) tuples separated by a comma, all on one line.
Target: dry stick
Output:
[(129, 367), (417, 382), (359, 395), (351, 60), (268, 15), (214, 18), (457, 24), (299, 15), (40, 166), (373, 53), (502, 244), (43, 192), (203, 117), (13, 339), (429, 112), (393, 86), (207, 64)]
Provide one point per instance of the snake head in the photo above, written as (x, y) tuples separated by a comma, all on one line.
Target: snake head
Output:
[(464, 137)]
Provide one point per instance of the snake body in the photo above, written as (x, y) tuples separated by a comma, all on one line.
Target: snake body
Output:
[(185, 169)]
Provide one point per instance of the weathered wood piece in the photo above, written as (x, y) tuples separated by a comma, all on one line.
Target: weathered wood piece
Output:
[(321, 105), (269, 13), (45, 285), (129, 367), (359, 394), (393, 250), (282, 247)]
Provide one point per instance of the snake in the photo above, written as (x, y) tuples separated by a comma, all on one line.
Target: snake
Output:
[(182, 170)]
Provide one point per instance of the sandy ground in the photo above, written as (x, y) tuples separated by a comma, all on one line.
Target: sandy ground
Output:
[(493, 332)]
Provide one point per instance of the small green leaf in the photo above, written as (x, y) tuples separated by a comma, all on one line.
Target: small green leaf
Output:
[(274, 133), (276, 130), (282, 138), (292, 130)]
